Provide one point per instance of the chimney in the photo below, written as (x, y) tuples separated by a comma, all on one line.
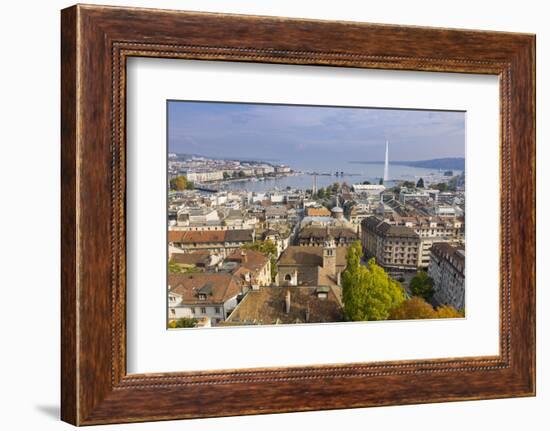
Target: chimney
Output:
[(287, 302), (243, 256)]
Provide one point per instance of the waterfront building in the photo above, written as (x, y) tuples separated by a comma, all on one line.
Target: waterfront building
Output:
[(368, 189), (203, 176)]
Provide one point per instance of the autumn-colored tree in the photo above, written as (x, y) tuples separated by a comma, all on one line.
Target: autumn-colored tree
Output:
[(418, 308), (179, 183), (448, 312), (269, 248), (422, 285), (369, 293), (414, 308)]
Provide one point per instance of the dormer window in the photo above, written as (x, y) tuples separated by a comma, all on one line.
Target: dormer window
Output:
[(322, 292), (202, 296)]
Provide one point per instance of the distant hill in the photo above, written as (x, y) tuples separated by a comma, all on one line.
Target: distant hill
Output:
[(452, 163)]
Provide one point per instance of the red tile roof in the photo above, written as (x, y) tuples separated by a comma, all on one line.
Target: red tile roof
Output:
[(218, 287)]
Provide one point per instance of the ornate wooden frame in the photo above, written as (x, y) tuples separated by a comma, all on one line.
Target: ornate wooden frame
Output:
[(95, 42)]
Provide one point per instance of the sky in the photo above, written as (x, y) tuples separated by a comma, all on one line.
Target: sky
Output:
[(287, 133)]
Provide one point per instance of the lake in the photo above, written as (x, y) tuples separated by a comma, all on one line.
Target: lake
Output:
[(354, 173)]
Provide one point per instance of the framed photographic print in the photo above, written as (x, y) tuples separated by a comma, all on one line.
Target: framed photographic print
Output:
[(322, 214)]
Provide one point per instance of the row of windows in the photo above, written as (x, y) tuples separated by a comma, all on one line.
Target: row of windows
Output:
[(201, 310)]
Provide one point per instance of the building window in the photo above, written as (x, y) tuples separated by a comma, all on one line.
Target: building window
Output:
[(203, 310), (217, 310), (288, 277), (172, 312), (193, 310)]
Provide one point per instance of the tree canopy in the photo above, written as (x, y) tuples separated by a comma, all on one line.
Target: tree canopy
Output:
[(418, 308), (414, 308), (442, 187), (368, 291), (422, 285), (183, 322), (180, 183), (174, 268), (420, 183)]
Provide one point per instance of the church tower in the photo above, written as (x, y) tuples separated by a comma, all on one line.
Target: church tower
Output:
[(329, 254)]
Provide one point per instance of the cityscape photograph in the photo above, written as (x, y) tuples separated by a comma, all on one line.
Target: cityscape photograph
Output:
[(295, 214)]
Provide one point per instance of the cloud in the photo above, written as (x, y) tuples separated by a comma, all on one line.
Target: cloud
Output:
[(280, 131)]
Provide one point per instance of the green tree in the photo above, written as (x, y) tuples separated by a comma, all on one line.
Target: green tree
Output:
[(452, 183), (321, 193), (241, 174), (420, 183), (179, 183), (442, 187), (183, 322), (422, 285), (381, 182), (408, 184), (368, 291), (366, 183), (190, 185), (226, 175), (174, 268), (269, 248)]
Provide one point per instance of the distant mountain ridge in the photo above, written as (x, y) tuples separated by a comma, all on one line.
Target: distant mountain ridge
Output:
[(451, 163)]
